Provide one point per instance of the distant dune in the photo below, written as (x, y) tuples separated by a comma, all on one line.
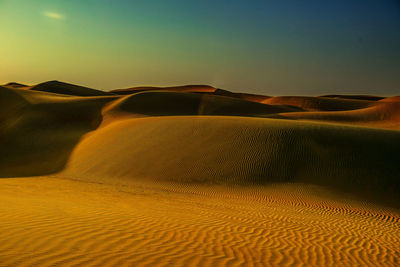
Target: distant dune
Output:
[(385, 114), (244, 96), (196, 175), (359, 97), (164, 103), (391, 99), (15, 85), (67, 89), (185, 88), (319, 103)]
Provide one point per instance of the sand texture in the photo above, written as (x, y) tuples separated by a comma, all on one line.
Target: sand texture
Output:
[(197, 176)]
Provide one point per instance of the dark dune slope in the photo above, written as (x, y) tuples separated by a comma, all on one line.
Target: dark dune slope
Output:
[(161, 103), (37, 137), (9, 100), (15, 85), (11, 106), (244, 96)]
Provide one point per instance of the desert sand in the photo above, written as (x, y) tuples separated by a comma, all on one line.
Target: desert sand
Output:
[(197, 176)]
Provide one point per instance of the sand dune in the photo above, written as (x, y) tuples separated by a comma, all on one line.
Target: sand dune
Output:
[(385, 114), (359, 97), (161, 103), (15, 85), (39, 132), (185, 88), (319, 103), (242, 151), (244, 96), (196, 176), (67, 89), (204, 89), (10, 102), (391, 99)]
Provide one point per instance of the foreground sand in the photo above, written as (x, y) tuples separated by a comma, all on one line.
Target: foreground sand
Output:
[(56, 222)]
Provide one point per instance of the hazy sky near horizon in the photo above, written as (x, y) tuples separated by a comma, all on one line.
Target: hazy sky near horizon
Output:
[(272, 47)]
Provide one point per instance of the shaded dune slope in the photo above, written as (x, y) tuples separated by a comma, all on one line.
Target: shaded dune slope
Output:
[(38, 132), (10, 102), (161, 103), (244, 151), (15, 85), (11, 108), (244, 96)]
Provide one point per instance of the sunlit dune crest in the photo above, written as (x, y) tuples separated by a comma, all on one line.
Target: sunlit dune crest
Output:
[(197, 176), (54, 15)]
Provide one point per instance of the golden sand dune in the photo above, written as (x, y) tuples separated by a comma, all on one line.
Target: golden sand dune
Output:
[(391, 99), (241, 151), (196, 176)]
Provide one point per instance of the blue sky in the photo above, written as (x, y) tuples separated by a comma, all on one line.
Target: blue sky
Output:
[(272, 47)]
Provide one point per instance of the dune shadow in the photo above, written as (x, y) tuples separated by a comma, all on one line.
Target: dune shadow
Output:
[(164, 103), (38, 139)]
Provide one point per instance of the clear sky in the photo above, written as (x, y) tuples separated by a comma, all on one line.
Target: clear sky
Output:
[(276, 47)]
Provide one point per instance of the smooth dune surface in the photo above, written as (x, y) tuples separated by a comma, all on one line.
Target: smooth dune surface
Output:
[(196, 176)]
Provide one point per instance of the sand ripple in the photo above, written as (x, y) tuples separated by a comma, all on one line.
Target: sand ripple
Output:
[(76, 223)]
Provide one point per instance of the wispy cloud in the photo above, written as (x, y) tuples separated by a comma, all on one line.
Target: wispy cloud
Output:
[(54, 15)]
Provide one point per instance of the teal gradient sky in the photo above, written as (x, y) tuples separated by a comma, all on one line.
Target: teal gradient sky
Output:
[(273, 47)]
